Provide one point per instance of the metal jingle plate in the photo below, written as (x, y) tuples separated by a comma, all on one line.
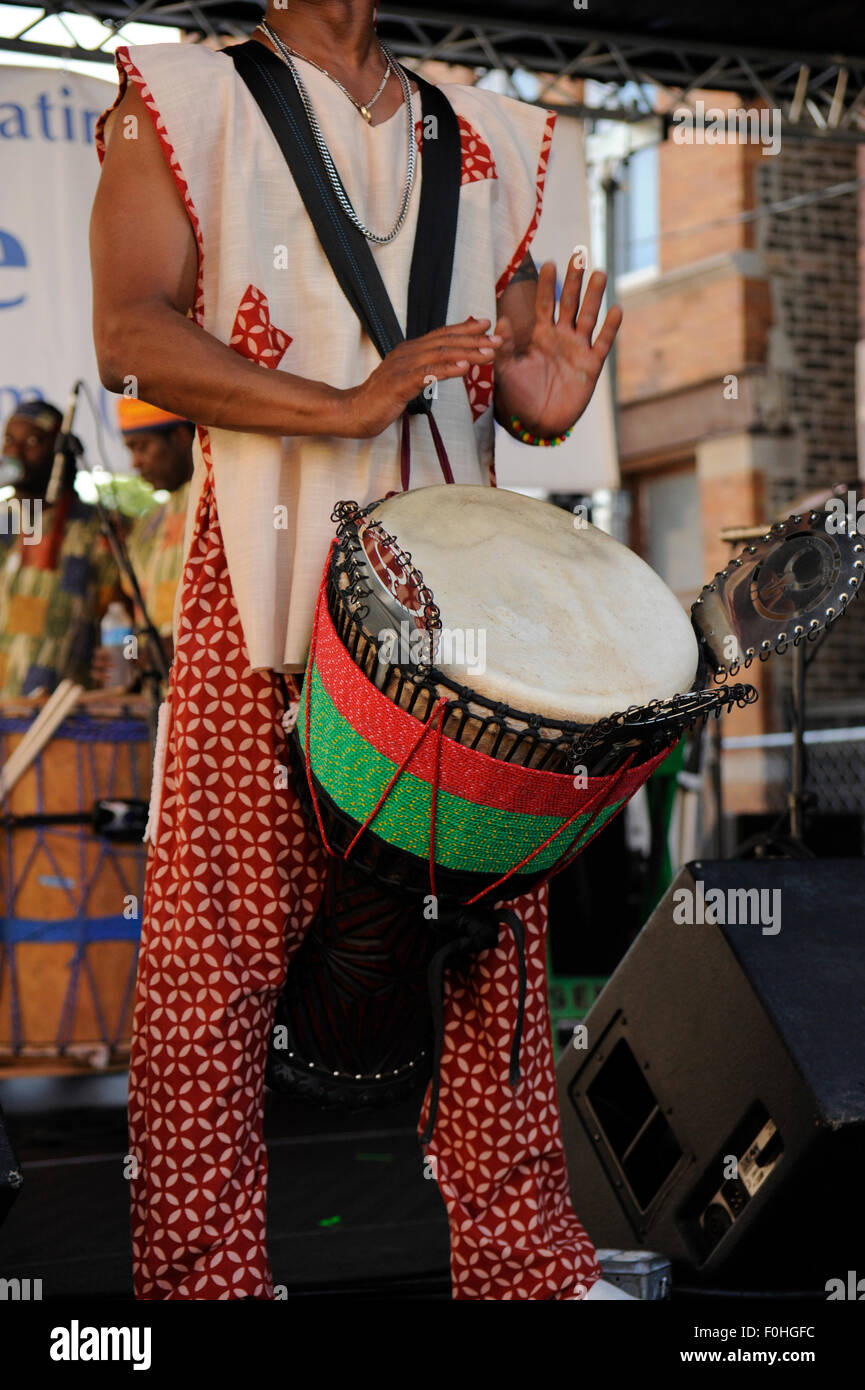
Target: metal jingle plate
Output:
[(398, 600), (401, 585), (792, 583), (395, 605)]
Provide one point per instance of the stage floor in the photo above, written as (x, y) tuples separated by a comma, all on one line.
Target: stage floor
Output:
[(349, 1208)]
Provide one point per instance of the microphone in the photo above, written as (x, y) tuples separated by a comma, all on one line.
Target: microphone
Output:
[(55, 482), (11, 471)]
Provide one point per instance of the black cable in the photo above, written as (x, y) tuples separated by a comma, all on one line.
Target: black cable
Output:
[(784, 1294)]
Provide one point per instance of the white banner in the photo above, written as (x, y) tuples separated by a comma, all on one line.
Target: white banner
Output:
[(48, 175), (587, 460)]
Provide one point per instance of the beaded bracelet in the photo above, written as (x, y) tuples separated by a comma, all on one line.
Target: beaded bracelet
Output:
[(528, 438)]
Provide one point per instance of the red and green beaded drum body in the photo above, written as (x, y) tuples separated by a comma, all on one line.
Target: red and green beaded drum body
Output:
[(437, 786)]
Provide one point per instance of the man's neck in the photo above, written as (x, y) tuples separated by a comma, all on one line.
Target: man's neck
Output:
[(335, 33)]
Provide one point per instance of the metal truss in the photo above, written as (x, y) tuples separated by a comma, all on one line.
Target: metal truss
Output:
[(817, 93)]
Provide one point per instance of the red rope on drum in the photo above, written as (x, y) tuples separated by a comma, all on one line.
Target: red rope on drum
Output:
[(434, 790), (579, 841), (313, 642), (441, 451), (437, 707), (602, 791), (405, 451)]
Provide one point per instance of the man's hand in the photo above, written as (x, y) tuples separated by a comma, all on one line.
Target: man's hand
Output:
[(546, 378), (413, 365)]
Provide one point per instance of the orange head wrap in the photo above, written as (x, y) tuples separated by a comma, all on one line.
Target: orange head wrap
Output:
[(135, 416)]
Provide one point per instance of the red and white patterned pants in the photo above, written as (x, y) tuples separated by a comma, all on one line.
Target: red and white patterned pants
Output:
[(233, 882)]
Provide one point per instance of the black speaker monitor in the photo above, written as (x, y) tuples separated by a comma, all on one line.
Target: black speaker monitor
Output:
[(714, 1110)]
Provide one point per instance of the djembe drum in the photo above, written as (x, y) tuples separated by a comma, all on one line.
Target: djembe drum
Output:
[(489, 682)]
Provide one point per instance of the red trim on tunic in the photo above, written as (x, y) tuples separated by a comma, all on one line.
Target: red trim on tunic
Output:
[(540, 179), (480, 380), (126, 69)]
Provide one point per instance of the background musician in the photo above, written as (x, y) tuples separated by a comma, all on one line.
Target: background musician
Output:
[(57, 574), (160, 447)]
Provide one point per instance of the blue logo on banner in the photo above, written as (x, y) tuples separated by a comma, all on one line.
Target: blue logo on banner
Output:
[(12, 256)]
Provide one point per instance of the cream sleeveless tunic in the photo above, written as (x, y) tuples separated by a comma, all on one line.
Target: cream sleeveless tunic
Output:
[(266, 288)]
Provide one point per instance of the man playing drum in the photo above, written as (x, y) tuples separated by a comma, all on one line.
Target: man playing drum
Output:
[(214, 297)]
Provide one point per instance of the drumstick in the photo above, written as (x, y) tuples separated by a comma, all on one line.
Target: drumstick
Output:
[(50, 717), (8, 773), (43, 726)]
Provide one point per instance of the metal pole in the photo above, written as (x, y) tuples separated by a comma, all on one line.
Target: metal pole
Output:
[(611, 187), (797, 766), (718, 789)]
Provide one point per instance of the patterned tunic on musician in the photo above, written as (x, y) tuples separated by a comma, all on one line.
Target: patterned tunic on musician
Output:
[(156, 551), (52, 595)]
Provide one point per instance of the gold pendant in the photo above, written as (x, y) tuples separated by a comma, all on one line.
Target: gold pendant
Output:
[(365, 113)]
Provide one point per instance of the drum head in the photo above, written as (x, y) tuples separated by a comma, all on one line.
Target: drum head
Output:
[(539, 610)]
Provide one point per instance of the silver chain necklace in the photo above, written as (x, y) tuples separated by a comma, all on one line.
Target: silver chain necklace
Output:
[(364, 107), (335, 180)]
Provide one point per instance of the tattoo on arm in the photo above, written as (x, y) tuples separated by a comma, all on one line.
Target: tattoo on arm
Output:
[(526, 270)]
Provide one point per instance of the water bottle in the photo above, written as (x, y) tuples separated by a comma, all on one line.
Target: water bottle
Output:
[(115, 628)]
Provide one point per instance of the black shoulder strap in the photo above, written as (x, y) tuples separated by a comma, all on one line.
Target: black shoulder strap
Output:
[(347, 249)]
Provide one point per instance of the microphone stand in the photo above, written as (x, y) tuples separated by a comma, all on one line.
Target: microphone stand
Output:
[(152, 678)]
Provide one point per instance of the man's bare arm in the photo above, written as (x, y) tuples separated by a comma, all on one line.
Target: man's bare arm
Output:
[(145, 264)]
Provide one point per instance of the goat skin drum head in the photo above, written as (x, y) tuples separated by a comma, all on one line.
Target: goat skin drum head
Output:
[(547, 616)]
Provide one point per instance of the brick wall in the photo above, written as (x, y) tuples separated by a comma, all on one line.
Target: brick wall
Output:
[(811, 260), (700, 185), (812, 272), (691, 330), (775, 301)]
